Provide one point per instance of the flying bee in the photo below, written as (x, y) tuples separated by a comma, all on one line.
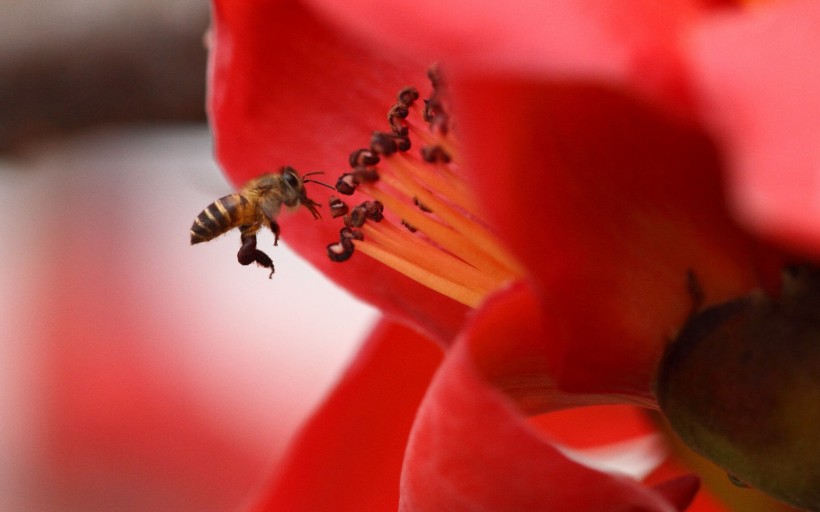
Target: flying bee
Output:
[(258, 204)]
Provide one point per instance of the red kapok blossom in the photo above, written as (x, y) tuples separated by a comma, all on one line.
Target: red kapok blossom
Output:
[(576, 223), (283, 85)]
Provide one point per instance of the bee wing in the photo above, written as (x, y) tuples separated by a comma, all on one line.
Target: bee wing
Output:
[(270, 209)]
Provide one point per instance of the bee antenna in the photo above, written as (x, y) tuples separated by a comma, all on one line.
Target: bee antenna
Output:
[(312, 173), (318, 182)]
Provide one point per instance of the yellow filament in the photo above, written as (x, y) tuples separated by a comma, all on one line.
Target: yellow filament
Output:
[(453, 252), (431, 280), (433, 139), (400, 241), (444, 236), (449, 185), (474, 234)]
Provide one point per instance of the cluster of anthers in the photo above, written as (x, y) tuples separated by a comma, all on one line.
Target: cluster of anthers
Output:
[(421, 219)]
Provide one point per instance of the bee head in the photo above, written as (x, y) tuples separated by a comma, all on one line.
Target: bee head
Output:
[(297, 184)]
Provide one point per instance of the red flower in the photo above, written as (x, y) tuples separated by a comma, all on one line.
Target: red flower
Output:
[(594, 136)]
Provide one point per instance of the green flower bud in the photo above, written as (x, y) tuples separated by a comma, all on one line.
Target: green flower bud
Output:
[(741, 386)]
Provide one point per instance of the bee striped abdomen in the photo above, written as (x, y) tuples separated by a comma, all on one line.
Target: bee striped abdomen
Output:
[(219, 217)]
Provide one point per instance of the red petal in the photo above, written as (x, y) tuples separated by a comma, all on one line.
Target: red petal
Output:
[(670, 471), (589, 427), (472, 449), (287, 88), (757, 77), (608, 202), (348, 456), (679, 491), (631, 41)]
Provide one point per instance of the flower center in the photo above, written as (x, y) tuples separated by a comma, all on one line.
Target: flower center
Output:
[(421, 219)]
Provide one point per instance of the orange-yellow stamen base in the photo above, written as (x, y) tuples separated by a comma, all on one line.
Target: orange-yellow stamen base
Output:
[(448, 248), (432, 280), (451, 252)]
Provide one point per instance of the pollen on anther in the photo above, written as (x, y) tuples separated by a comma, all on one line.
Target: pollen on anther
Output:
[(337, 207), (342, 250), (346, 184)]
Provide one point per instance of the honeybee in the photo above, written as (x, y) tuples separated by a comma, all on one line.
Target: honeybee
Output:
[(258, 204)]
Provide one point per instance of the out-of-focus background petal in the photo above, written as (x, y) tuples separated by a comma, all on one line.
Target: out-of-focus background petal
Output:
[(348, 456), (757, 87), (138, 372), (624, 42)]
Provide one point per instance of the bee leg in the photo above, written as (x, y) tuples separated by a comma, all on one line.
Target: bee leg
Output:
[(248, 254), (274, 226)]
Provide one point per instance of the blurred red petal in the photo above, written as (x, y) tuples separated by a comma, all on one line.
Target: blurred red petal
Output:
[(349, 454), (610, 203), (119, 431), (287, 88), (633, 41), (589, 427), (705, 502), (679, 491), (757, 78), (670, 470), (471, 448)]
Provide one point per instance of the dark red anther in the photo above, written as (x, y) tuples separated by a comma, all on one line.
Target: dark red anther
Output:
[(340, 251), (363, 157), (356, 217), (373, 210), (337, 207), (383, 143), (396, 116), (402, 143), (351, 233), (422, 206), (411, 228), (408, 95), (435, 154), (435, 76), (365, 175), (346, 184)]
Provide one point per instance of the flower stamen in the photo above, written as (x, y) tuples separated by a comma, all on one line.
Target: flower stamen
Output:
[(444, 244)]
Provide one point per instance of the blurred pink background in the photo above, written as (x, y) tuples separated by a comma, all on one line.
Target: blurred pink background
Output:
[(138, 372)]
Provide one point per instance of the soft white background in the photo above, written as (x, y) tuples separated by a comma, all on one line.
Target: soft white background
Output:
[(97, 278)]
